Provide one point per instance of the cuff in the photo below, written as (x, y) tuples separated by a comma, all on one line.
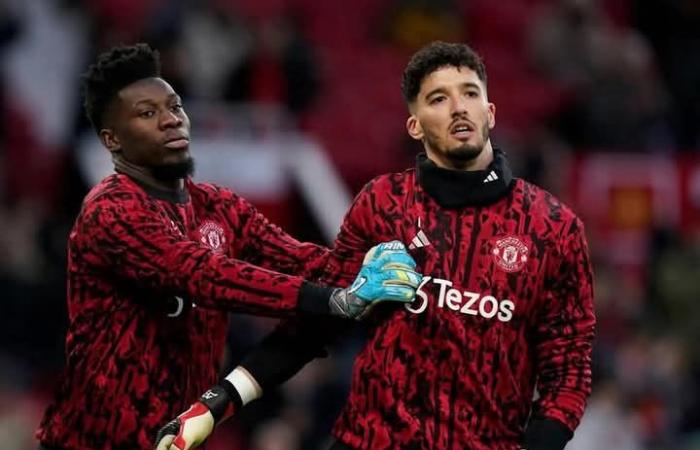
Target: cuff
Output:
[(314, 299), (546, 434), (221, 400)]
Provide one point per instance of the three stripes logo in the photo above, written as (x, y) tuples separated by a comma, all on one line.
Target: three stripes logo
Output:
[(419, 240), (491, 177)]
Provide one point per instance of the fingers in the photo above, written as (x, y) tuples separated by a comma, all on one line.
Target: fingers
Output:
[(167, 434), (403, 294), (401, 258), (165, 441), (196, 429), (401, 276), (383, 249), (180, 444)]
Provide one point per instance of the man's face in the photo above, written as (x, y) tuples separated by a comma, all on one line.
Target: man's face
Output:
[(148, 126), (453, 118)]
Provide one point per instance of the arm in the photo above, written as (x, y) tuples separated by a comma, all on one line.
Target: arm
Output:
[(296, 342), (286, 350), (135, 244), (281, 355), (563, 348), (268, 246), (273, 362)]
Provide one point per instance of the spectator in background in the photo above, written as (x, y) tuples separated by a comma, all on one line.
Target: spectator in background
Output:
[(216, 40), (673, 28), (279, 67), (616, 99), (409, 24)]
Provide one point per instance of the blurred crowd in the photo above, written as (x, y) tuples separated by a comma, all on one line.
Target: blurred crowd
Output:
[(570, 78)]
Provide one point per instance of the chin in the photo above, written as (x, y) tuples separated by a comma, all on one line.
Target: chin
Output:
[(173, 170), (178, 156), (465, 153)]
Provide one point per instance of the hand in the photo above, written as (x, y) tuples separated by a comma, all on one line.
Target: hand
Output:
[(188, 430), (387, 274), (193, 427)]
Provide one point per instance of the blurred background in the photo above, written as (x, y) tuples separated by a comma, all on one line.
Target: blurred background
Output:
[(296, 104)]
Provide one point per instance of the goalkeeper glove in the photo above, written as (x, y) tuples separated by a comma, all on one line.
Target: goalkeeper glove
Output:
[(194, 426), (387, 274)]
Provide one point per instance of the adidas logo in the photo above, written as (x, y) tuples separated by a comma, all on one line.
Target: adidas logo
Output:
[(419, 240), (492, 177)]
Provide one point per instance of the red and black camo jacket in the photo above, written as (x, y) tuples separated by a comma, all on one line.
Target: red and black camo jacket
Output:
[(505, 308), (506, 303), (137, 351)]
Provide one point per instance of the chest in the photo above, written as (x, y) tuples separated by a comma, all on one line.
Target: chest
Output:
[(482, 264), (198, 223)]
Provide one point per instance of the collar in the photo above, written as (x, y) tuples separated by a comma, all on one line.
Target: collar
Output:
[(173, 196), (460, 188), (170, 195), (138, 175)]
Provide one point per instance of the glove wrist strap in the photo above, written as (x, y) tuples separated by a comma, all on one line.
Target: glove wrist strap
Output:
[(222, 400)]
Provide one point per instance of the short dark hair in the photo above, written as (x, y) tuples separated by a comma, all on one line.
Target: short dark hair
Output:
[(433, 57), (114, 70)]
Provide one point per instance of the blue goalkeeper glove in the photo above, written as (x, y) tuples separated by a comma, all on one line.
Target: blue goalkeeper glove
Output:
[(387, 275)]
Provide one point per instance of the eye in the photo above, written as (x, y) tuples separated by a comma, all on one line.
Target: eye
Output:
[(176, 108), (437, 99), (472, 94), (147, 114)]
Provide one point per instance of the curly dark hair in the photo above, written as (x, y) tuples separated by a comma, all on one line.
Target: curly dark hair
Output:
[(114, 70), (433, 57)]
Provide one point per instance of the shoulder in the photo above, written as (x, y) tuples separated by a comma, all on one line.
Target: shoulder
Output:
[(545, 206), (114, 189), (210, 192), (390, 184)]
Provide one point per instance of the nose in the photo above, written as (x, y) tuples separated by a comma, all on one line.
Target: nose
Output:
[(459, 106), (169, 119)]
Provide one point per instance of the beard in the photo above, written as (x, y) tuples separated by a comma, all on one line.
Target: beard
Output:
[(464, 154), (173, 171)]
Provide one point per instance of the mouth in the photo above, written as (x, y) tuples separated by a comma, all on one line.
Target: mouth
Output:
[(462, 130), (178, 142)]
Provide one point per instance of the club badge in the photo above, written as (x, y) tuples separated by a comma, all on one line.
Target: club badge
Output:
[(211, 234), (510, 253)]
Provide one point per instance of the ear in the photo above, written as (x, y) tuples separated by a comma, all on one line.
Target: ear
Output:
[(414, 128), (110, 139), (492, 115)]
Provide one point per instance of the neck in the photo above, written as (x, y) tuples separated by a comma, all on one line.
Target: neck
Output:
[(452, 188), (481, 162), (144, 176)]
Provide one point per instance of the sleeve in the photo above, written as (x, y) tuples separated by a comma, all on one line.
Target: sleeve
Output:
[(293, 344), (362, 228), (268, 246), (296, 342), (134, 243), (565, 335)]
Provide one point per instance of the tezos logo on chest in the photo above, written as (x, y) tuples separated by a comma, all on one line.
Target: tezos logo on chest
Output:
[(510, 253), (211, 234)]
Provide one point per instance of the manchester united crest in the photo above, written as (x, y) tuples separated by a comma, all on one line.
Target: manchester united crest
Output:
[(211, 234), (510, 253)]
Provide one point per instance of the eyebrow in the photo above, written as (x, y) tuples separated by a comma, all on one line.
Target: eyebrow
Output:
[(151, 102), (469, 84)]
